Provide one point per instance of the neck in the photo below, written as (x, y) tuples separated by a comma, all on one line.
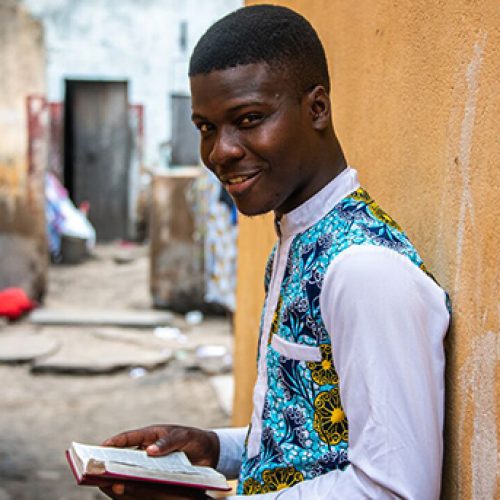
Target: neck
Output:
[(336, 156), (329, 162), (329, 159)]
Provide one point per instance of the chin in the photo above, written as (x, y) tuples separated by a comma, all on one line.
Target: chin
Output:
[(253, 211)]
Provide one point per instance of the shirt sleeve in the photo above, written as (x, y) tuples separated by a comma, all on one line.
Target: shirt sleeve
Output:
[(232, 443), (387, 320)]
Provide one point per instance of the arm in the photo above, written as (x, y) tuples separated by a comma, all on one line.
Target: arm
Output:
[(387, 320), (232, 443)]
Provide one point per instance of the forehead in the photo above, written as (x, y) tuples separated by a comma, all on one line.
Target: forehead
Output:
[(236, 86)]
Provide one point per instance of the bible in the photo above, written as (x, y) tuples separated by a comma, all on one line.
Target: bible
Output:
[(96, 465)]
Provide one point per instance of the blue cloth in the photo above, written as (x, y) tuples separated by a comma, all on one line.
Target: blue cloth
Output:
[(304, 428)]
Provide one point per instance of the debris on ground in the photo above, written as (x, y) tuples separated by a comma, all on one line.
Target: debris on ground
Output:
[(214, 359), (194, 318), (14, 303), (170, 333)]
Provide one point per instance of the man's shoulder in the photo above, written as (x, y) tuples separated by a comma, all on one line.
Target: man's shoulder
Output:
[(357, 220)]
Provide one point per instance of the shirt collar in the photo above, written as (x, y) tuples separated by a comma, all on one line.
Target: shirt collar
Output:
[(316, 207)]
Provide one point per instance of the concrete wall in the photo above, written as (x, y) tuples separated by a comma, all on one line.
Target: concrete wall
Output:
[(129, 40), (23, 254), (416, 105)]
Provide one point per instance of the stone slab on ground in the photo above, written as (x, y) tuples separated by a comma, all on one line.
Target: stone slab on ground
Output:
[(96, 317), (88, 354), (144, 339), (224, 390), (19, 347), (210, 331)]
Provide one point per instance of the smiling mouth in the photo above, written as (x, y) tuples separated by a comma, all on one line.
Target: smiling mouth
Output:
[(240, 185), (231, 181)]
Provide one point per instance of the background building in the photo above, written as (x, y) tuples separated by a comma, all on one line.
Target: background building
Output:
[(96, 92), (145, 43), (23, 246)]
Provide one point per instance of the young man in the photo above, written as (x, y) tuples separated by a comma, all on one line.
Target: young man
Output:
[(348, 401)]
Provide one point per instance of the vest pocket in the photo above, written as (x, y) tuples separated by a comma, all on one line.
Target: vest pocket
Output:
[(298, 352)]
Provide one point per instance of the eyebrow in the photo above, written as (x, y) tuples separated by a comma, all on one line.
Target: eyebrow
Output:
[(195, 116), (244, 105)]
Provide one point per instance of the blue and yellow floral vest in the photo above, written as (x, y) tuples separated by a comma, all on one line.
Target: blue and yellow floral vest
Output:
[(304, 429)]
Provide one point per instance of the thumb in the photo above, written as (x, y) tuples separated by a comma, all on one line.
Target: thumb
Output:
[(163, 446)]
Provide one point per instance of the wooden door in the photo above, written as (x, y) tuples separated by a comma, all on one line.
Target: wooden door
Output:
[(97, 153)]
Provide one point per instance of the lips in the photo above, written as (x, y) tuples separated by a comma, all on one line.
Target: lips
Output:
[(238, 184)]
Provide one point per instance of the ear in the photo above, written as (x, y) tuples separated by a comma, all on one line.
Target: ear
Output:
[(319, 107)]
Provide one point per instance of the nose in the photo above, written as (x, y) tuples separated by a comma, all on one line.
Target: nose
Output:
[(225, 149)]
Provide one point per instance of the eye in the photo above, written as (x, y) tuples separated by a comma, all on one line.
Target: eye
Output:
[(204, 127), (249, 120)]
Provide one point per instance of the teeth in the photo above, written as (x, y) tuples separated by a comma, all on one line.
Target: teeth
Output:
[(236, 180)]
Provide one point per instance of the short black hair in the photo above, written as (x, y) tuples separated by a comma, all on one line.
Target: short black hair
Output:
[(271, 34)]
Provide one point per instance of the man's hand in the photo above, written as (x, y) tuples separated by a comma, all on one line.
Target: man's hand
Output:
[(140, 491), (202, 447)]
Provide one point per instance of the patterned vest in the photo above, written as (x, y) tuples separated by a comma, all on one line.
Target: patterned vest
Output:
[(304, 429)]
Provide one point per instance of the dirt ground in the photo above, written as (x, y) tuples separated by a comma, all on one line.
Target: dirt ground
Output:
[(40, 414)]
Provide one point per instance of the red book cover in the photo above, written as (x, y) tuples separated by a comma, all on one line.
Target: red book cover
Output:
[(104, 479)]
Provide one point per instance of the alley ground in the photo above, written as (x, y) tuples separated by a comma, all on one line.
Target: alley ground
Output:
[(42, 412)]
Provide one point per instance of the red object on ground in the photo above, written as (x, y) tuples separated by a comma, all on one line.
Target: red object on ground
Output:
[(14, 303)]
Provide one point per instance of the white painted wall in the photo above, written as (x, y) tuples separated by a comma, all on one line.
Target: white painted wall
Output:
[(134, 40)]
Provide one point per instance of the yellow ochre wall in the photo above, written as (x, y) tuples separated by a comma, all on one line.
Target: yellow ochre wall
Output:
[(416, 104)]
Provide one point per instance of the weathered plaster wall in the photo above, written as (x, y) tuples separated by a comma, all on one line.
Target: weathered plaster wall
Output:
[(416, 106), (23, 255), (129, 40), (176, 264)]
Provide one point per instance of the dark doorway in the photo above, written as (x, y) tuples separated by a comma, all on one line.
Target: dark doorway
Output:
[(185, 138), (97, 153)]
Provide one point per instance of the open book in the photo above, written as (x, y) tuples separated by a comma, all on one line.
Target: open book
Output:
[(93, 465)]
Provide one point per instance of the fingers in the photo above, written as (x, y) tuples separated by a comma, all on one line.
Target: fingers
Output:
[(137, 437), (118, 489), (158, 440), (131, 491), (173, 439), (155, 449), (125, 439), (202, 447)]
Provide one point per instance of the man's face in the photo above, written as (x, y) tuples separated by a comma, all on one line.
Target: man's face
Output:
[(255, 132)]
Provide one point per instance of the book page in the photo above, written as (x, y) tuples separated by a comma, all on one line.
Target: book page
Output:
[(124, 462), (209, 478), (174, 462)]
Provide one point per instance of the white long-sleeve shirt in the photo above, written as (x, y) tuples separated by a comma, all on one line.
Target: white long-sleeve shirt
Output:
[(390, 320)]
